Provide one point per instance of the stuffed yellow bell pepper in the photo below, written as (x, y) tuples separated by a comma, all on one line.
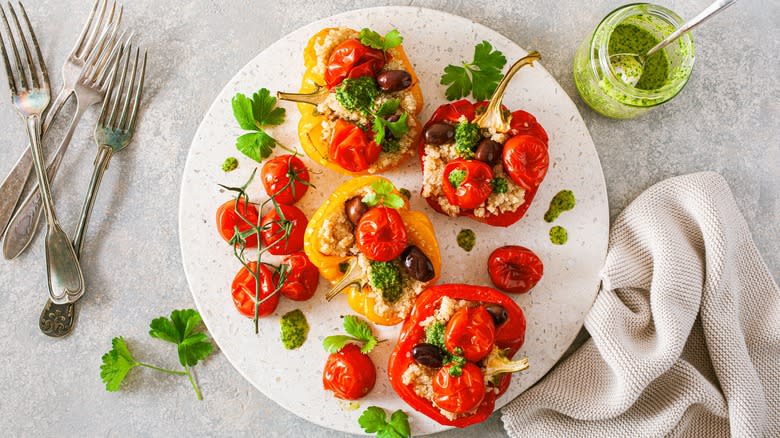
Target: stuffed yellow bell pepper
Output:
[(359, 100), (365, 239)]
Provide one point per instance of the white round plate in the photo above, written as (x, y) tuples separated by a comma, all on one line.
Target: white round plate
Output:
[(556, 307)]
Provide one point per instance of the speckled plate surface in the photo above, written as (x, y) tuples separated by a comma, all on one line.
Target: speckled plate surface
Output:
[(556, 307)]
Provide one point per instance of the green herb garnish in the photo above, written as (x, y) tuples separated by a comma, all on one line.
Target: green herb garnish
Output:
[(180, 329), (374, 420), (434, 335), (499, 185), (383, 193), (456, 177), (480, 77), (255, 115), (357, 94), (386, 277), (398, 128), (374, 40), (359, 330), (230, 164), (294, 329), (467, 137)]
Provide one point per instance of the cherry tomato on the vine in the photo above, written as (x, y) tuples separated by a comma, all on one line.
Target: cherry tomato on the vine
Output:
[(244, 288), (459, 394), (286, 178), (381, 234), (473, 187), (283, 236), (301, 279), (228, 219), (515, 269), (526, 160), (472, 330), (351, 59), (349, 373), (352, 148)]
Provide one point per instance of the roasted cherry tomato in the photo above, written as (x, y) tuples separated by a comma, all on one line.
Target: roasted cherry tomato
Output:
[(525, 160), (472, 330), (524, 123), (514, 269), (277, 174), (302, 277), (352, 148), (475, 186), (381, 234), (228, 220), (349, 373), (459, 394), (351, 59), (245, 286), (283, 235)]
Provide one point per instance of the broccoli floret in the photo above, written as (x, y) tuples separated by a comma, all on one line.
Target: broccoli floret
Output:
[(499, 185), (386, 277), (357, 94), (467, 138), (230, 164), (294, 329), (456, 177)]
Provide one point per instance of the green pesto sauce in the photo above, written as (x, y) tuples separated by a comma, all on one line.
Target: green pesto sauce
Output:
[(230, 164), (562, 201), (294, 329), (629, 38), (467, 239), (558, 235), (357, 94)]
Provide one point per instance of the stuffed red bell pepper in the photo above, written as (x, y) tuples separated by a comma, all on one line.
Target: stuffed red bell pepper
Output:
[(481, 161), (453, 357)]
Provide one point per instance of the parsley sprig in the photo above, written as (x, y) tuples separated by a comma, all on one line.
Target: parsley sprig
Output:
[(398, 128), (374, 420), (255, 115), (180, 329), (374, 40), (383, 193), (480, 77), (358, 330)]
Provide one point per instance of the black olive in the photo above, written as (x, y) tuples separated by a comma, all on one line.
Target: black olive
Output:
[(439, 133), (498, 313), (394, 80), (428, 355), (488, 151), (355, 209), (388, 132), (417, 264)]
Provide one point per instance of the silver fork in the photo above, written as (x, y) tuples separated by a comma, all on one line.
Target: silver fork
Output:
[(30, 93), (84, 74), (113, 132)]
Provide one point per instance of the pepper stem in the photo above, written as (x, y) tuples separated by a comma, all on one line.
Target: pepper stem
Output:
[(493, 117), (351, 278), (314, 98)]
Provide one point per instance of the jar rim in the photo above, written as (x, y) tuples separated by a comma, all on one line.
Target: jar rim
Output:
[(600, 42)]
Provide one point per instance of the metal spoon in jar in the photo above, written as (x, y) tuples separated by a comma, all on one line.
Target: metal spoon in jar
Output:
[(630, 66)]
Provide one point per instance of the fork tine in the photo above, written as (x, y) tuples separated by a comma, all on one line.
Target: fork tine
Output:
[(128, 91), (7, 63), (138, 93), (118, 92), (100, 59), (42, 65), (102, 75), (110, 89), (19, 70), (87, 25), (89, 62), (87, 47), (25, 47)]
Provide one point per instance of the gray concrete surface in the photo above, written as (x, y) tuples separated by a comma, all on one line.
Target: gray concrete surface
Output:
[(725, 120)]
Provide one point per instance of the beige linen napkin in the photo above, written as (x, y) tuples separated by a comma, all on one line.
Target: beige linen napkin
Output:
[(685, 334)]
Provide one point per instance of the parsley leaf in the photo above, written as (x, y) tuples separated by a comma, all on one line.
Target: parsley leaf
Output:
[(480, 77), (372, 39), (180, 329), (116, 364), (383, 194), (388, 107), (359, 330), (255, 115), (374, 420)]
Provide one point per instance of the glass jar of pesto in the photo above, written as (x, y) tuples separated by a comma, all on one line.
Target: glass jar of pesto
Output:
[(633, 28)]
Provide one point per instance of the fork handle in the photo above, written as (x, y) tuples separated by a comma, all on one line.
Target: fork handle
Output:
[(104, 155), (13, 185), (21, 228)]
